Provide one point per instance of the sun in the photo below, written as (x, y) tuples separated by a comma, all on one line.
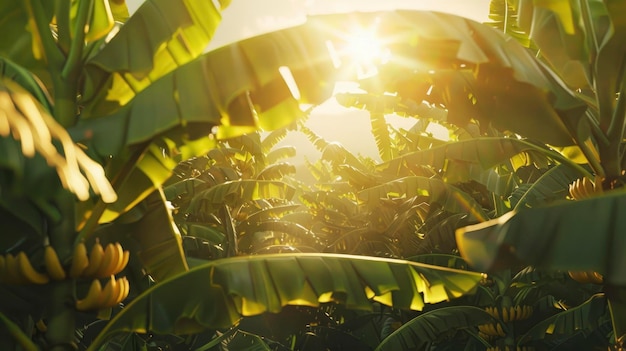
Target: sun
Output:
[(363, 45), (364, 50)]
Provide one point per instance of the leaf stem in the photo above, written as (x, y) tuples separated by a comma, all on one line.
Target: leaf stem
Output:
[(62, 13), (50, 51), (78, 41), (18, 334)]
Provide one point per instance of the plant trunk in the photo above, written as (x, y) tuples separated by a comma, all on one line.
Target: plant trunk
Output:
[(61, 312)]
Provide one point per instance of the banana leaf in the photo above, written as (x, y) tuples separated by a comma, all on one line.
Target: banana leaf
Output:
[(219, 293), (426, 328), (279, 153), (450, 197), (21, 42), (141, 53), (151, 235), (502, 85), (553, 237), (485, 152), (226, 87), (584, 318), (551, 186), (235, 193), (276, 171)]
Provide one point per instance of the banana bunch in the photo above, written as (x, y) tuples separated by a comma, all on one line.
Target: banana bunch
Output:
[(18, 270), (586, 277), (101, 262), (114, 292), (511, 348), (491, 329), (583, 188), (511, 313)]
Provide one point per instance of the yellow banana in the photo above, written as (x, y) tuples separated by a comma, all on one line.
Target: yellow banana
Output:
[(505, 314), (124, 261), (11, 271), (499, 330), (28, 272), (80, 260), (53, 265), (578, 276), (588, 186), (107, 297), (120, 258), (122, 284), (90, 302), (573, 191), (3, 266), (595, 277), (581, 189), (95, 259), (110, 261), (125, 290), (41, 326)]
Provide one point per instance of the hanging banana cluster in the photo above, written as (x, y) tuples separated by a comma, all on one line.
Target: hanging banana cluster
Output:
[(18, 270), (511, 313), (586, 277), (114, 292), (584, 188), (489, 330), (102, 262), (511, 348), (503, 314)]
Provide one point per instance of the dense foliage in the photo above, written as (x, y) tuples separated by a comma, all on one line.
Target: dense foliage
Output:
[(147, 203)]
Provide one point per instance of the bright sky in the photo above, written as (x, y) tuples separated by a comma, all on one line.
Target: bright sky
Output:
[(245, 18)]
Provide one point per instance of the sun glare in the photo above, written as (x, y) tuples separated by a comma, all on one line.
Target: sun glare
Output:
[(364, 50), (364, 45)]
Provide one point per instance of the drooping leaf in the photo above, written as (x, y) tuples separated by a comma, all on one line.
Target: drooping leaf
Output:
[(448, 196), (551, 237), (280, 153), (142, 53), (484, 152), (424, 329), (225, 87), (247, 286), (238, 192), (584, 318), (156, 240), (551, 185), (276, 171)]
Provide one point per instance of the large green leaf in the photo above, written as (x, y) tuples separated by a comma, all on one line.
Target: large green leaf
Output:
[(575, 235), (227, 87), (142, 52), (550, 186), (584, 318), (446, 195), (426, 328), (217, 294), (559, 31)]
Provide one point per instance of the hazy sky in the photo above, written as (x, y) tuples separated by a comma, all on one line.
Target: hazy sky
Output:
[(245, 18)]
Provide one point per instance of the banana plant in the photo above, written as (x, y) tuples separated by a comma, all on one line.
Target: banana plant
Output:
[(86, 148), (581, 44)]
